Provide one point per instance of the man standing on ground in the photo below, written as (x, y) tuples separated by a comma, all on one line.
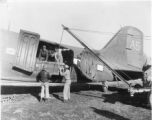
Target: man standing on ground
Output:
[(44, 79), (66, 91)]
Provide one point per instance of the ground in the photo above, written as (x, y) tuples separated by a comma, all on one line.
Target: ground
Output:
[(90, 104)]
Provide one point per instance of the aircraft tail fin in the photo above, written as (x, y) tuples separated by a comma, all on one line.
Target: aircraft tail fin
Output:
[(126, 48)]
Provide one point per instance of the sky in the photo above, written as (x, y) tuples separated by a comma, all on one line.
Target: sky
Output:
[(46, 17)]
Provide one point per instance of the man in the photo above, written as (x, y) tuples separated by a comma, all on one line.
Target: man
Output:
[(43, 55), (66, 91), (51, 57), (147, 80), (58, 54), (44, 79)]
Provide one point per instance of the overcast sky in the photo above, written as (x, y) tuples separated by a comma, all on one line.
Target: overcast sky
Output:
[(46, 19)]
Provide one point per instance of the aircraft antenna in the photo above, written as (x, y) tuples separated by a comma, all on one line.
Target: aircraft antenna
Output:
[(111, 33)]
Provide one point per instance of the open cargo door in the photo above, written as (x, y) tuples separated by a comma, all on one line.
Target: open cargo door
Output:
[(26, 52)]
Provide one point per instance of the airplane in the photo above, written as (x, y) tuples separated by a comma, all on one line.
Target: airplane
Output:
[(123, 53)]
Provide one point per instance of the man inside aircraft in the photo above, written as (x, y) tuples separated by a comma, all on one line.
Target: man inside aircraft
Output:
[(51, 58), (43, 55), (58, 54)]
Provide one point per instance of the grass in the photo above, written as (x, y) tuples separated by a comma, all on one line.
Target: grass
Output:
[(84, 105)]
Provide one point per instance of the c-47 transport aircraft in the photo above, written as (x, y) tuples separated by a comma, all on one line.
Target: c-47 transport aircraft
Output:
[(121, 58)]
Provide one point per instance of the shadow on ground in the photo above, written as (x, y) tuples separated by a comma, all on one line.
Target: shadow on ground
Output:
[(121, 95), (57, 97), (138, 100), (109, 114)]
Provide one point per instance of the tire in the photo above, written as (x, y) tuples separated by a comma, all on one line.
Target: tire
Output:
[(105, 89), (150, 99), (137, 86)]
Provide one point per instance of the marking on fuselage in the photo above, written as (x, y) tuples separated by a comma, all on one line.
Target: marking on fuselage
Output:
[(100, 67), (10, 51), (135, 45)]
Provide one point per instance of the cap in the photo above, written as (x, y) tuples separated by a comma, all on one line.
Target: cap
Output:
[(44, 46), (66, 66), (44, 66)]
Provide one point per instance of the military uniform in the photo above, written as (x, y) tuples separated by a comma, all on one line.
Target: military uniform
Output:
[(58, 56), (44, 76), (66, 91), (43, 55), (51, 57)]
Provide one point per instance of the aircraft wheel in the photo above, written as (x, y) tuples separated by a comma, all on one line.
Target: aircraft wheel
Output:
[(137, 86), (150, 99), (105, 87)]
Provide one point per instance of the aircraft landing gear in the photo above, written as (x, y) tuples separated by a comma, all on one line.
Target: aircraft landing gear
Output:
[(105, 87)]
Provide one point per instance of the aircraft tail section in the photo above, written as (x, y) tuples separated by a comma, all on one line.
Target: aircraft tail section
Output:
[(126, 49)]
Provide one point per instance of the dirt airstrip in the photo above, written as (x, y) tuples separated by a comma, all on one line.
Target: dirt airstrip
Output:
[(87, 103)]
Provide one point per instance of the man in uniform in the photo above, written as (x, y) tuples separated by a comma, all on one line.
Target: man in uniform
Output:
[(44, 79), (66, 74), (58, 54), (43, 55), (51, 57)]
